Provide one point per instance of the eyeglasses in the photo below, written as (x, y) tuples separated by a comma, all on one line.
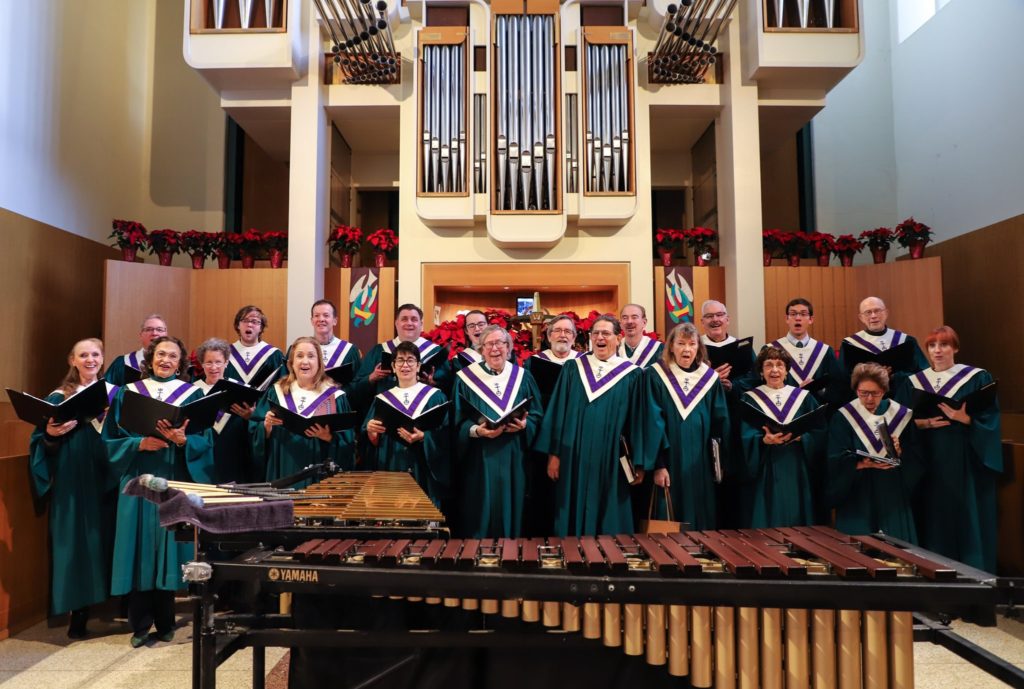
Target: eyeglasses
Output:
[(403, 363), (713, 316), (799, 314), (872, 312), (155, 329), (560, 331), (496, 344), (476, 326), (869, 395), (602, 333), (252, 321)]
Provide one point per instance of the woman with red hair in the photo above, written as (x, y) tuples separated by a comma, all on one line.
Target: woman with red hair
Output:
[(957, 509)]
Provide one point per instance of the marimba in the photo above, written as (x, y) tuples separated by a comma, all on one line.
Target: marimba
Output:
[(794, 607)]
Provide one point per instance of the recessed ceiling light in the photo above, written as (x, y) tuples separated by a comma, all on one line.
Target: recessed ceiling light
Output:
[(506, 288)]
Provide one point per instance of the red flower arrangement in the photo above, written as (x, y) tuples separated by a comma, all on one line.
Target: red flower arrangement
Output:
[(847, 243), (345, 239), (701, 240), (821, 242), (878, 238), (251, 241), (773, 241), (198, 244), (383, 240), (452, 334), (668, 239), (164, 241), (910, 232), (275, 241), (128, 234)]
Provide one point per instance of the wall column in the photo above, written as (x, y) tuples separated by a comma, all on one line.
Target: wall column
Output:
[(309, 177), (738, 161)]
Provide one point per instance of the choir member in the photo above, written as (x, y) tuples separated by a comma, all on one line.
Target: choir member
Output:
[(714, 319), (810, 360), (957, 512), (232, 456), (69, 464), (635, 346), (147, 558), (373, 378), (129, 366), (424, 454), (594, 406), (877, 337), (308, 392), (493, 459), (251, 360), (336, 351), (870, 496), (473, 325), (687, 408), (560, 333), (777, 463)]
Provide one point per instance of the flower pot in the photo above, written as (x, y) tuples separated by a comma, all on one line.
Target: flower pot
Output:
[(702, 260), (223, 259), (248, 261), (198, 261), (666, 256), (916, 247), (164, 257), (793, 260), (846, 258), (128, 253), (767, 258), (878, 255), (276, 258), (823, 258), (378, 259), (346, 260)]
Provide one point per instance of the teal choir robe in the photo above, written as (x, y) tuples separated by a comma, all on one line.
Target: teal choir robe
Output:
[(813, 361), (870, 500), (781, 491), (646, 353), (146, 556), (593, 406), (876, 344), (466, 357), (957, 511), (430, 353), (232, 451), (252, 365), (73, 471), (337, 352), (685, 410), (493, 471), (284, 453), (428, 461), (116, 372)]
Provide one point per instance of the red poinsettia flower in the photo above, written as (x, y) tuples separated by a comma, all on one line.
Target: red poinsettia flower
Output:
[(910, 231), (383, 239), (847, 242), (128, 234), (878, 238), (345, 239), (161, 241)]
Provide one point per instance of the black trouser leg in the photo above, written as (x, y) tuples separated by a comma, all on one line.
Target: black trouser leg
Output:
[(163, 611), (140, 611)]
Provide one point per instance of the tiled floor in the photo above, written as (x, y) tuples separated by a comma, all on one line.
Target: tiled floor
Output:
[(43, 657)]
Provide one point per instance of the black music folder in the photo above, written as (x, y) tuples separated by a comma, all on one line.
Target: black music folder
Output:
[(811, 421), (737, 354), (84, 405), (430, 365), (297, 424), (393, 419), (139, 414), (818, 384), (891, 457), (546, 374), (342, 375), (626, 461), (898, 358), (131, 375), (926, 404), (514, 414), (239, 393)]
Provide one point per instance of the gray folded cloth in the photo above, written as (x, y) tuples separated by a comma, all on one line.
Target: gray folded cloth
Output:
[(174, 508)]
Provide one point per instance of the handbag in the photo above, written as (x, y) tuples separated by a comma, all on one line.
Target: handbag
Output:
[(651, 525)]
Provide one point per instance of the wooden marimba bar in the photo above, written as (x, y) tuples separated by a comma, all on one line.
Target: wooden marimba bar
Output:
[(716, 645), (365, 496)]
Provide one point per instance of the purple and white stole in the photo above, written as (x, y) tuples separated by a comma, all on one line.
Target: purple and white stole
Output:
[(427, 348), (945, 383), (806, 360), (335, 352), (781, 404), (686, 388), (172, 392), (708, 342), (548, 355), (411, 401), (497, 391), (599, 377), (865, 424), (644, 352), (470, 356), (258, 354), (876, 344), (134, 359), (307, 403)]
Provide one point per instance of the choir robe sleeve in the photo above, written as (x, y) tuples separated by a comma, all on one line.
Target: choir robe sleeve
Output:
[(42, 448), (444, 373), (361, 389), (985, 431), (115, 372), (551, 436)]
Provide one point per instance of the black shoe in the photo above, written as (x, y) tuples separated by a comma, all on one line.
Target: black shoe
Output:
[(137, 641), (76, 626), (165, 636)]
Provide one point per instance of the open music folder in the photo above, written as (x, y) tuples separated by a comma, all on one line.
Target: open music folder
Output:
[(393, 419), (84, 405), (298, 424), (811, 421), (926, 404), (516, 413), (737, 354), (139, 414)]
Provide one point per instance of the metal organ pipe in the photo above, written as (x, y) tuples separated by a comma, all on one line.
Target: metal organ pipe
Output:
[(443, 165), (686, 44), (607, 118), (362, 44)]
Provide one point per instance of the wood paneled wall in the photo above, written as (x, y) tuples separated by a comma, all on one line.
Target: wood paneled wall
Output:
[(132, 291), (911, 289), (983, 289), (1011, 511), (216, 295), (708, 283), (24, 555)]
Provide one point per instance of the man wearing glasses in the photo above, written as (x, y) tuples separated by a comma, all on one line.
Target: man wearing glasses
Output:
[(637, 347), (815, 365), (435, 370), (714, 320), (252, 360), (126, 369), (871, 344), (473, 325)]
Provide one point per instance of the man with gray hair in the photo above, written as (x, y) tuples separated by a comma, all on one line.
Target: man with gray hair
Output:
[(881, 344), (546, 365), (714, 319), (637, 347), (126, 369)]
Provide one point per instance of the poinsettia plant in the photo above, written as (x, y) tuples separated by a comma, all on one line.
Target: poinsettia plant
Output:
[(821, 242), (775, 240), (275, 241), (128, 234), (700, 239), (847, 243), (250, 241), (164, 241), (196, 243), (383, 240), (668, 239), (878, 238), (345, 239), (452, 334), (911, 231)]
